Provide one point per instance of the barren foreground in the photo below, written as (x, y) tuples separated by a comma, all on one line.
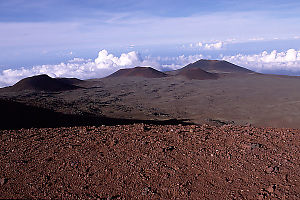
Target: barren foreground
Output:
[(150, 162)]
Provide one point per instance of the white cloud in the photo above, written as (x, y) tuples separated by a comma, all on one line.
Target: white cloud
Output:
[(208, 46), (106, 60), (173, 63), (287, 61), (194, 45), (77, 60), (216, 46)]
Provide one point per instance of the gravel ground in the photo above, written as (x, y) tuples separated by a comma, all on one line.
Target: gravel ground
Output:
[(150, 162)]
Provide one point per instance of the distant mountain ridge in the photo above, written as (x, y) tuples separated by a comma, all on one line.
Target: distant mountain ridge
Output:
[(201, 70), (217, 66), (146, 72)]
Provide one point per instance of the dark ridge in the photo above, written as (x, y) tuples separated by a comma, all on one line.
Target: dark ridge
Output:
[(15, 115), (146, 72), (218, 66), (42, 83), (196, 73), (70, 81)]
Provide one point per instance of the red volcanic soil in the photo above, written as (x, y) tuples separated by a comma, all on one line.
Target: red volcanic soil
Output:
[(150, 162), (146, 72), (43, 83), (220, 66), (196, 73)]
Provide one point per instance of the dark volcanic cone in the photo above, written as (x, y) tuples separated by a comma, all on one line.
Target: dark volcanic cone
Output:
[(70, 81), (196, 73), (218, 66), (42, 83), (146, 72)]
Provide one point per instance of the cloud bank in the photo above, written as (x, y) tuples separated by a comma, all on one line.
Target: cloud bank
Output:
[(286, 62), (102, 66)]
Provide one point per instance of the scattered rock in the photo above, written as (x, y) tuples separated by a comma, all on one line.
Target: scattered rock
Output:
[(256, 145), (271, 189), (272, 169), (269, 170), (146, 191), (147, 128), (113, 162), (114, 197), (3, 181), (170, 148)]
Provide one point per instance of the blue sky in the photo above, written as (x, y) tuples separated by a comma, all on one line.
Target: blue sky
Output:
[(63, 10), (48, 32)]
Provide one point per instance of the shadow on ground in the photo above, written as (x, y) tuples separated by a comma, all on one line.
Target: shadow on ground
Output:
[(16, 115)]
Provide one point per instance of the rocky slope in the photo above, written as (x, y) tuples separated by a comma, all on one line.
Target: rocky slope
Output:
[(196, 73), (150, 162)]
